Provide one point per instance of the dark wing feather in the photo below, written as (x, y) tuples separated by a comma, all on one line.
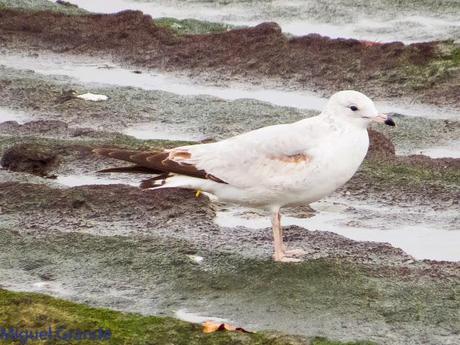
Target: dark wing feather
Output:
[(154, 181), (157, 162)]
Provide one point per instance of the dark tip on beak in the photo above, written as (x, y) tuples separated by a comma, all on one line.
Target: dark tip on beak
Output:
[(389, 121)]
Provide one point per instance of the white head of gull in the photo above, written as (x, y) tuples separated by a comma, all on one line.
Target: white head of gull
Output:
[(271, 167)]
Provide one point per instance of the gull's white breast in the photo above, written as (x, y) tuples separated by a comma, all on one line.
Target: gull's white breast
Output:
[(334, 163)]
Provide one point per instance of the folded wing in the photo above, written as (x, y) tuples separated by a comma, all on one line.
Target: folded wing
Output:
[(258, 157)]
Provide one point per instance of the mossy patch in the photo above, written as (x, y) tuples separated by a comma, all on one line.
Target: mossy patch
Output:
[(192, 26), (324, 341), (180, 26), (153, 273), (36, 159), (404, 172), (444, 65), (36, 312), (41, 5), (117, 140)]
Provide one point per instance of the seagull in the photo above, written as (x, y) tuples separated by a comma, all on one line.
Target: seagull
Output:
[(271, 167)]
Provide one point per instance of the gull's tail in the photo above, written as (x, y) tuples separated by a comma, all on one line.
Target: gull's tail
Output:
[(157, 163), (142, 166)]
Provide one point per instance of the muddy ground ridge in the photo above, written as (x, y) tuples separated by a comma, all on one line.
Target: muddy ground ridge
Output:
[(428, 71)]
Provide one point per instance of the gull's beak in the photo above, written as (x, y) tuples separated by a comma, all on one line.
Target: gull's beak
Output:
[(384, 118)]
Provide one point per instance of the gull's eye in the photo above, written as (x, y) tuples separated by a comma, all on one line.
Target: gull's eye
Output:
[(354, 107)]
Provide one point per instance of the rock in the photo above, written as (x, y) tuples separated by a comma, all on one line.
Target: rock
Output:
[(35, 159), (92, 97), (379, 145), (66, 3), (268, 27)]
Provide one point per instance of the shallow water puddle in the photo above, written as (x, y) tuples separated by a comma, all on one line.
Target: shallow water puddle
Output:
[(451, 150), (84, 180), (87, 71), (13, 115), (408, 30), (19, 281), (430, 238), (184, 315), (146, 131), (49, 287), (300, 17)]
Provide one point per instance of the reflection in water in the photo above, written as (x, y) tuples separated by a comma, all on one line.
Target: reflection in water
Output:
[(102, 179)]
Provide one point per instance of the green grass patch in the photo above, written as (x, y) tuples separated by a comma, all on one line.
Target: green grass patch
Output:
[(29, 311), (403, 173)]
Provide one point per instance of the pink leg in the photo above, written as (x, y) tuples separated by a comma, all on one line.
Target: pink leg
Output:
[(281, 254), (277, 236)]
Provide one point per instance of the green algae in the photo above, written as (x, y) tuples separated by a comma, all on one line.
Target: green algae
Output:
[(192, 26), (324, 341), (258, 288), (115, 140), (41, 5), (35, 312), (398, 172), (180, 26), (443, 66)]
